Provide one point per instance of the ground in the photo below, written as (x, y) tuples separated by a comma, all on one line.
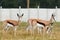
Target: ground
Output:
[(23, 35)]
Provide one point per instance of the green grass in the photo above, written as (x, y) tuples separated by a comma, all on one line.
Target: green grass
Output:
[(22, 34)]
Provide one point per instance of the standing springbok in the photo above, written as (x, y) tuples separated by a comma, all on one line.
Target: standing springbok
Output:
[(32, 24), (12, 23)]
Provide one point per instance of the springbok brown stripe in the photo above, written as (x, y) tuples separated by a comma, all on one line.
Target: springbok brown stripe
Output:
[(10, 23), (41, 23)]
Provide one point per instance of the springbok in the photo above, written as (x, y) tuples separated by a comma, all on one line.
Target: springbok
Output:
[(12, 23), (46, 25)]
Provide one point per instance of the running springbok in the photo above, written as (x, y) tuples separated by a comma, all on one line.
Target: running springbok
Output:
[(46, 25), (12, 23)]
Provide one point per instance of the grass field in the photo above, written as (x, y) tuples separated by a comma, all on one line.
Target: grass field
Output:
[(22, 34)]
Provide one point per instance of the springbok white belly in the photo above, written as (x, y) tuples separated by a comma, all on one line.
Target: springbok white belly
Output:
[(39, 25), (9, 25)]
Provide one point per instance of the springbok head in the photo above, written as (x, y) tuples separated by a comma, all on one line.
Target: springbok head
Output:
[(20, 16), (53, 17)]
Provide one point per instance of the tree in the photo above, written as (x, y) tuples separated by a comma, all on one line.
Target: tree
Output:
[(51, 3), (9, 4), (34, 3), (0, 2), (58, 3), (22, 3)]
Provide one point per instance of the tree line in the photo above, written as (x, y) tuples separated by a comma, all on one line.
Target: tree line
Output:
[(33, 3)]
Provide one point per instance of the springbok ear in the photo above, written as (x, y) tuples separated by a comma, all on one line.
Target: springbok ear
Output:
[(52, 15), (22, 14), (17, 14)]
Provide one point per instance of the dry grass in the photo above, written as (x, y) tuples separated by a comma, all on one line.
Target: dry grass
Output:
[(22, 34)]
